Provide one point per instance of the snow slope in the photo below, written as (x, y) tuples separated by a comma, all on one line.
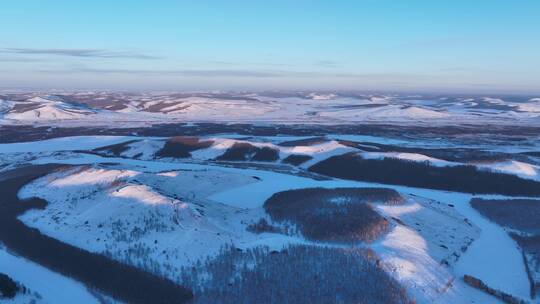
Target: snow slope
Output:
[(52, 288), (48, 108), (518, 168)]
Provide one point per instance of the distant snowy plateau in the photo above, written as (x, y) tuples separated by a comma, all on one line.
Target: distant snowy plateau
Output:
[(269, 197), (102, 108)]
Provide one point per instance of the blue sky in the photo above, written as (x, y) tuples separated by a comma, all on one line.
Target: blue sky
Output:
[(390, 45)]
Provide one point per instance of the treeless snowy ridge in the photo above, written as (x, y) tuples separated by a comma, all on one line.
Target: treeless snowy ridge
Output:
[(518, 168), (408, 156)]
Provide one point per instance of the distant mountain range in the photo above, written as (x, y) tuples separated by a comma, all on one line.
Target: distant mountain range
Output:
[(270, 107)]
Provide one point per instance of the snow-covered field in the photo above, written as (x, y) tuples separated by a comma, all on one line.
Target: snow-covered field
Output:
[(164, 213)]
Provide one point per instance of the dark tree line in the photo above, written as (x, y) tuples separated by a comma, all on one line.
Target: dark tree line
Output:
[(479, 284), (462, 178), (520, 214), (18, 133), (530, 249), (182, 146), (8, 287), (116, 149), (304, 142), (266, 154), (296, 159), (242, 151), (263, 226)]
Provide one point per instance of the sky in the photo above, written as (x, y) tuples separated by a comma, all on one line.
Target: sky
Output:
[(456, 46)]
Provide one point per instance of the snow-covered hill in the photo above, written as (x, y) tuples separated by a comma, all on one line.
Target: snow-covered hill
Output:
[(45, 108), (161, 220)]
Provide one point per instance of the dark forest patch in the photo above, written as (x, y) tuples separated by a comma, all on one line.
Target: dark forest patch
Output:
[(304, 142), (462, 178), (116, 149), (8, 287), (243, 151), (502, 133), (238, 152), (340, 215), (520, 214), (266, 154), (296, 159), (262, 226), (532, 153), (297, 274), (182, 146)]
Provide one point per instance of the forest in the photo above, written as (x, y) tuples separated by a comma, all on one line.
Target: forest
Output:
[(341, 215), (292, 275), (462, 178), (182, 146), (241, 151)]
